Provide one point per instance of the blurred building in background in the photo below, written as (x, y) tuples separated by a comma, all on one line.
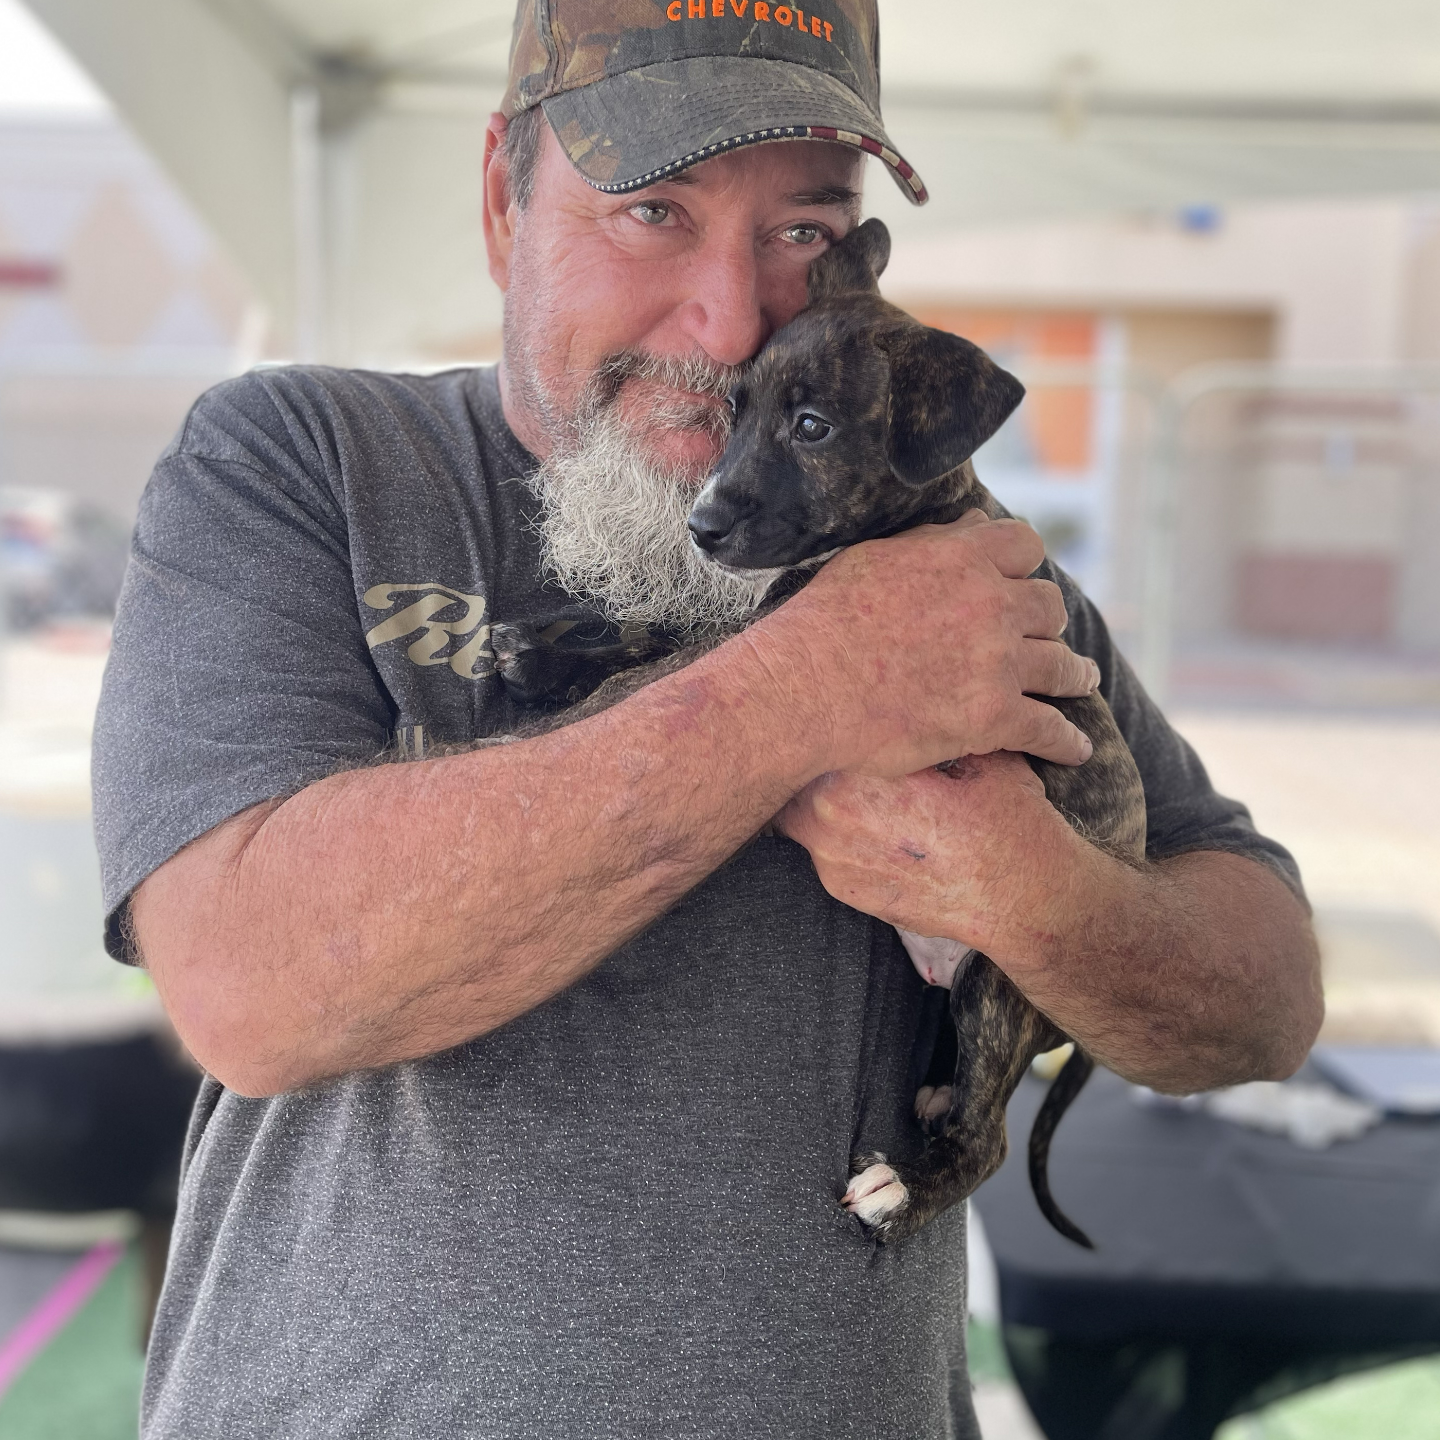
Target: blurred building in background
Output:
[(1268, 362), (116, 309)]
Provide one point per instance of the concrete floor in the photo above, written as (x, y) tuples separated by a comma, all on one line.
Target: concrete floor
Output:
[(1002, 1413), (1356, 799)]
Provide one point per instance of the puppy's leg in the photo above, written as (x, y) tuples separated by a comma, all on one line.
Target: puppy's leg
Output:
[(998, 1033), (539, 672), (933, 1098), (937, 961)]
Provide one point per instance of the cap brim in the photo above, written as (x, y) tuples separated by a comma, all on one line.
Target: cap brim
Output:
[(633, 130)]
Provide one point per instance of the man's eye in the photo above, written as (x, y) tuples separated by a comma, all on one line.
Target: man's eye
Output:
[(810, 428), (651, 212), (804, 234)]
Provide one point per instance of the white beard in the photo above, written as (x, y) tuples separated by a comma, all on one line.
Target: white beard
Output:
[(612, 519)]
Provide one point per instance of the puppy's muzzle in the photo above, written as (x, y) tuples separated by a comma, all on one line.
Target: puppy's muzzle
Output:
[(713, 521)]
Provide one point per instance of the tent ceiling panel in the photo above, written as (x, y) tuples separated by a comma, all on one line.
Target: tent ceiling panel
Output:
[(382, 28), (1035, 108), (1381, 50), (211, 109), (1014, 174), (420, 37)]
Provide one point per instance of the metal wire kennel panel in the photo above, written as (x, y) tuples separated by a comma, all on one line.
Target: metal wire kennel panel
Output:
[(1295, 536), (1076, 460)]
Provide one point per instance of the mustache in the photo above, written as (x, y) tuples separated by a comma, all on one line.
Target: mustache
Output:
[(696, 375), (612, 530)]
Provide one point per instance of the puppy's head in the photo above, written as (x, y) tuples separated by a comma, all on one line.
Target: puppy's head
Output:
[(849, 425)]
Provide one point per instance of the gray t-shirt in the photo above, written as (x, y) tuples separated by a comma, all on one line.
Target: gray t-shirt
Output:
[(617, 1214)]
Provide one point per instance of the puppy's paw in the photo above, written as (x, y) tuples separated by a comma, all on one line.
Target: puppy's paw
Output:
[(510, 640), (532, 672), (876, 1196), (932, 1106)]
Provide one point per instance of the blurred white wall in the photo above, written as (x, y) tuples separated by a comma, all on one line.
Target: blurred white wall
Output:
[(1348, 282), (37, 76)]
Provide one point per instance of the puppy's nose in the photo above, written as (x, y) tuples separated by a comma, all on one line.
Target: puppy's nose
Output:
[(711, 522)]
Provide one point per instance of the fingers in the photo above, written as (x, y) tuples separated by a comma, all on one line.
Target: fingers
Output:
[(790, 822), (1011, 546), (1043, 731), (1048, 667), (797, 821), (1040, 606), (1017, 551), (971, 518)]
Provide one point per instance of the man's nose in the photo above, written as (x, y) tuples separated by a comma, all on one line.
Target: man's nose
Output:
[(724, 314)]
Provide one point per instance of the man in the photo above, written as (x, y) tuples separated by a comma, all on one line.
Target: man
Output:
[(535, 1080)]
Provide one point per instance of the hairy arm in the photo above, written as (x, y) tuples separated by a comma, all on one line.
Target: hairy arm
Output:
[(395, 911), (392, 912), (1196, 971)]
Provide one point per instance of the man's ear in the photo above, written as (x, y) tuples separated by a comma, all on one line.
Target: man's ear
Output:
[(947, 398), (498, 211), (854, 265)]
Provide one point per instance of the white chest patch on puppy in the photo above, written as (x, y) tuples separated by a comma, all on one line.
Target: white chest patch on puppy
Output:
[(938, 961)]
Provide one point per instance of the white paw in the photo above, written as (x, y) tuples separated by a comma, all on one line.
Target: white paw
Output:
[(875, 1194), (937, 960), (932, 1102)]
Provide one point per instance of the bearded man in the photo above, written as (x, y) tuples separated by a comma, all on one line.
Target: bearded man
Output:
[(533, 1077)]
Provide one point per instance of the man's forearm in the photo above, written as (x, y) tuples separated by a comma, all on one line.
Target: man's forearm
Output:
[(1198, 971), (396, 911), (392, 912)]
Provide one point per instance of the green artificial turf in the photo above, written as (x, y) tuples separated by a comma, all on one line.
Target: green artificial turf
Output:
[(85, 1385), (985, 1352), (1398, 1402)]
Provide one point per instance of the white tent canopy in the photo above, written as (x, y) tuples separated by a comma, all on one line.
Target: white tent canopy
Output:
[(334, 145)]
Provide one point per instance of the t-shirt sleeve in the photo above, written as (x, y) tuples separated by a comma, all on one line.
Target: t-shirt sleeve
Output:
[(239, 671), (1184, 812)]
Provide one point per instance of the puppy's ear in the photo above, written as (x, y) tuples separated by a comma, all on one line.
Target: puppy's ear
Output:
[(854, 265), (947, 398)]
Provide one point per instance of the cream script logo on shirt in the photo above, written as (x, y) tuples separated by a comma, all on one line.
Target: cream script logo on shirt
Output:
[(458, 640)]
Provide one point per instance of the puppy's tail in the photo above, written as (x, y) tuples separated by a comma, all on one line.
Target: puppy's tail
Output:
[(1068, 1084)]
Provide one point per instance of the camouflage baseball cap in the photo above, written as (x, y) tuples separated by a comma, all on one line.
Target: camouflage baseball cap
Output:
[(637, 90)]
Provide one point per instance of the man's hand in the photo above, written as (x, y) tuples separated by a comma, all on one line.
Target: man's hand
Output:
[(972, 853), (1194, 972), (925, 647), (288, 948)]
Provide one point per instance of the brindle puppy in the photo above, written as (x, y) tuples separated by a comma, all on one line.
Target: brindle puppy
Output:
[(858, 422)]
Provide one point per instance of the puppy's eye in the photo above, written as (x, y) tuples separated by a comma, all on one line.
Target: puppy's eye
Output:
[(811, 428)]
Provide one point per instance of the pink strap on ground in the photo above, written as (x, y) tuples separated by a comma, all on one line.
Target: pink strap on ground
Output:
[(56, 1310)]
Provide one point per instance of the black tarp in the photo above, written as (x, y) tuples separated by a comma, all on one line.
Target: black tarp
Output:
[(1231, 1268)]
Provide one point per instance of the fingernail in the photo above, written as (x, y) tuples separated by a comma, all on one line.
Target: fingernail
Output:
[(1087, 749), (1094, 676)]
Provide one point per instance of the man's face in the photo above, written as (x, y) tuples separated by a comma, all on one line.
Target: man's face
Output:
[(703, 267)]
